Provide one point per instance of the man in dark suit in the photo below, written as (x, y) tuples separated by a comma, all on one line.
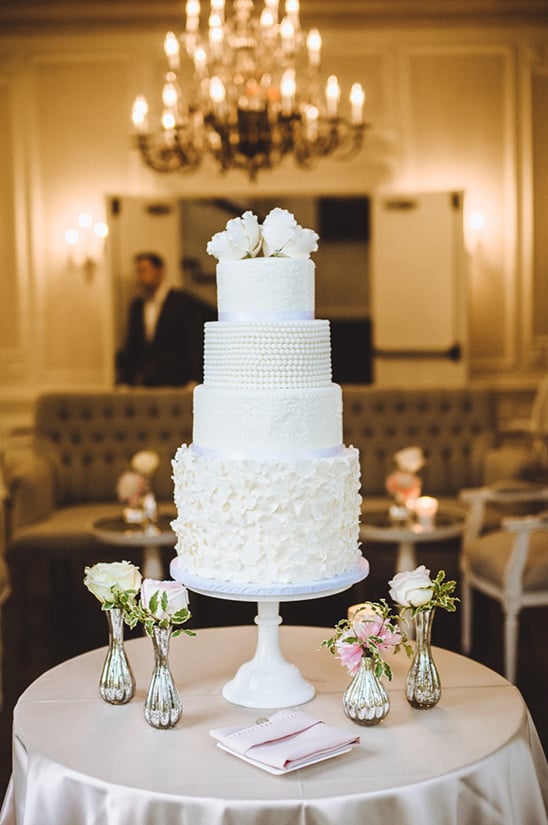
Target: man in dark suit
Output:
[(163, 344)]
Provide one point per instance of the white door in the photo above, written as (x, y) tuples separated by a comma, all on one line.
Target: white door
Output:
[(418, 290)]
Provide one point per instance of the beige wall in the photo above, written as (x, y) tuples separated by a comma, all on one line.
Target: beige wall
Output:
[(450, 107)]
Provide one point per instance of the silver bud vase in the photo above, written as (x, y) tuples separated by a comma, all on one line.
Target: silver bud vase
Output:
[(365, 700), (117, 684), (163, 707), (423, 687)]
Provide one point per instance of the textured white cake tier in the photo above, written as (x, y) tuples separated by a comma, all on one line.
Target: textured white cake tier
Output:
[(272, 355), (265, 288), (267, 423), (254, 521)]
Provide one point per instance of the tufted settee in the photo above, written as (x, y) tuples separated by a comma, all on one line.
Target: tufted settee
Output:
[(455, 427), (83, 442)]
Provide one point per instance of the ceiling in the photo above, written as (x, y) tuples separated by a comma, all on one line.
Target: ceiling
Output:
[(45, 16)]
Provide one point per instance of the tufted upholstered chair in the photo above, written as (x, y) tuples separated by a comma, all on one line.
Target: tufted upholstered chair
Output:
[(455, 427), (508, 563), (523, 453), (82, 443)]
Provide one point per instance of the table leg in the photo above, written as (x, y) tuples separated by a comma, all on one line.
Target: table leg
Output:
[(406, 558), (153, 567)]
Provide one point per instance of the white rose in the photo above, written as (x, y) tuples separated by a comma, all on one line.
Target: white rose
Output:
[(241, 239), (145, 462), (301, 243), (278, 228), (413, 588), (102, 577), (177, 597), (283, 237), (410, 459)]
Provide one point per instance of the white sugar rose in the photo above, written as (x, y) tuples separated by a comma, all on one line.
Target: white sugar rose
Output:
[(413, 588), (145, 462), (410, 459), (277, 229), (102, 577), (177, 598), (241, 239), (282, 236), (301, 243)]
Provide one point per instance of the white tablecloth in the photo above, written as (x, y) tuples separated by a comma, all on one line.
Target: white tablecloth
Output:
[(474, 759)]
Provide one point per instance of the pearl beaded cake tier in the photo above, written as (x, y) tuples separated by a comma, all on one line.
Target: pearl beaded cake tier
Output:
[(261, 521), (270, 355), (268, 423), (265, 288)]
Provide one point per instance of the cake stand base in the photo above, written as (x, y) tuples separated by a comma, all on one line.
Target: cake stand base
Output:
[(268, 681)]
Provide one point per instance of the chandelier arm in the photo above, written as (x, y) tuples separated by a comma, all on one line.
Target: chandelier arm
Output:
[(165, 159), (250, 103)]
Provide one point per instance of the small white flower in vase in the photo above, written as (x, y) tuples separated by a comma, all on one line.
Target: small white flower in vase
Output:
[(403, 484), (135, 489)]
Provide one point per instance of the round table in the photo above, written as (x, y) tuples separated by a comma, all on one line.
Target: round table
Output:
[(115, 530), (473, 758), (377, 526)]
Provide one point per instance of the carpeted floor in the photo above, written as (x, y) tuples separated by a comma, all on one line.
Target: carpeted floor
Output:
[(50, 617)]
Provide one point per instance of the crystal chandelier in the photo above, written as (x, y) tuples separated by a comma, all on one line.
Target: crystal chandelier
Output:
[(254, 95)]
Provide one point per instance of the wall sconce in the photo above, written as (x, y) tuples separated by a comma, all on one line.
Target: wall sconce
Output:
[(475, 226), (86, 243)]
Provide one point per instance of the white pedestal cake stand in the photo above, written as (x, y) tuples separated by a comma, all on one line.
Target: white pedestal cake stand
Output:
[(268, 680)]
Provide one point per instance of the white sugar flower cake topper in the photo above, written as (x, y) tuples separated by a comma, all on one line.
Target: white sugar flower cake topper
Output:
[(241, 239), (283, 237), (279, 236)]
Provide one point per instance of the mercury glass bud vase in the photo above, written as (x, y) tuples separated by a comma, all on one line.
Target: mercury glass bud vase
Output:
[(423, 687), (117, 684), (163, 707), (365, 700)]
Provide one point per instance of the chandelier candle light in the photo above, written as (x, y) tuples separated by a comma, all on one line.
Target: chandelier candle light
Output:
[(254, 93)]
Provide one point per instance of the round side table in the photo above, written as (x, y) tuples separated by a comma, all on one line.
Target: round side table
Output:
[(151, 538), (377, 526)]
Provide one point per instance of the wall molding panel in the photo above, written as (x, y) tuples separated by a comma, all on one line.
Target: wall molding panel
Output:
[(452, 108)]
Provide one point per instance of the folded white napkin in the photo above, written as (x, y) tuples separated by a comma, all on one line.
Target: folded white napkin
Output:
[(288, 740)]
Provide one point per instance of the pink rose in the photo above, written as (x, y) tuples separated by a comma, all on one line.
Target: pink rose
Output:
[(131, 487), (177, 597), (350, 654)]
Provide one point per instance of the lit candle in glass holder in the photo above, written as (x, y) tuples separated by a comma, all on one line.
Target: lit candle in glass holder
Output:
[(360, 612), (425, 508)]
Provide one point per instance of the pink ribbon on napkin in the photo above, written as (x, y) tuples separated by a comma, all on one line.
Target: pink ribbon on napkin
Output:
[(287, 738)]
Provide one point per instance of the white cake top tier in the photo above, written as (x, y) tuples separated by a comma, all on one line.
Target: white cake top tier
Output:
[(266, 289)]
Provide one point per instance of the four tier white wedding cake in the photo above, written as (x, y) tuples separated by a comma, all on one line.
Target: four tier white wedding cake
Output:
[(267, 493)]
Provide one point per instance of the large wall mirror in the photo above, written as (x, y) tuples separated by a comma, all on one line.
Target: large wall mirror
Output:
[(179, 230)]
